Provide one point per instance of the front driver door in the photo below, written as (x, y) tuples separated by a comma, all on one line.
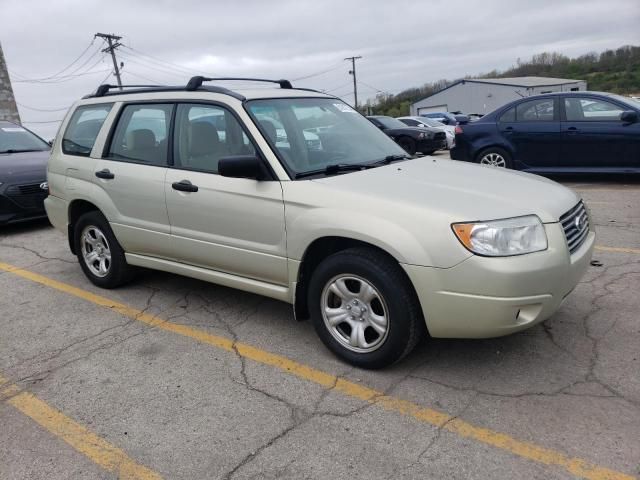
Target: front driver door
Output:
[(594, 137), (232, 225)]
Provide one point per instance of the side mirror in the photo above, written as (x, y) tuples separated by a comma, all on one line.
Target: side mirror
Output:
[(629, 116), (243, 166)]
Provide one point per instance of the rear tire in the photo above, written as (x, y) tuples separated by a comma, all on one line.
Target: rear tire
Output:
[(495, 157), (408, 144), (364, 308), (100, 255)]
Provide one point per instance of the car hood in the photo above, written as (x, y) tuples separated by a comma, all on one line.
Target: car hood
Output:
[(23, 166), (459, 191)]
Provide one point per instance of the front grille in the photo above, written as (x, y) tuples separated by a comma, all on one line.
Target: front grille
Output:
[(29, 196), (440, 136), (30, 189), (575, 224)]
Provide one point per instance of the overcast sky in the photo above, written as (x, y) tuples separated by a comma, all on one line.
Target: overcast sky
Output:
[(403, 43)]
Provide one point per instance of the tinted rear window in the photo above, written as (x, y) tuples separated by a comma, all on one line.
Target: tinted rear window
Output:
[(83, 129)]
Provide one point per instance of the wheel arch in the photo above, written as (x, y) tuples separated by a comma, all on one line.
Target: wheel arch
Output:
[(77, 208), (315, 253)]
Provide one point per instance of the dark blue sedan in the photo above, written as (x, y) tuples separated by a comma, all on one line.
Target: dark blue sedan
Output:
[(570, 132)]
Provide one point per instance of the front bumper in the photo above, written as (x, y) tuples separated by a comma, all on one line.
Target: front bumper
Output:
[(484, 297), (20, 207), (429, 145)]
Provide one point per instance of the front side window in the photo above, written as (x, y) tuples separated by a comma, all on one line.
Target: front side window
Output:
[(311, 133), (206, 133), (83, 129), (508, 116), (14, 139), (536, 111), (141, 134), (591, 110), (411, 122)]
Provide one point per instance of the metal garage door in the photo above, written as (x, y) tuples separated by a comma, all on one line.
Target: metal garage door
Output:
[(435, 108)]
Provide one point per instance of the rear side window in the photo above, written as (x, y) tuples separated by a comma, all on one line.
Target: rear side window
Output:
[(83, 129), (141, 134), (536, 111)]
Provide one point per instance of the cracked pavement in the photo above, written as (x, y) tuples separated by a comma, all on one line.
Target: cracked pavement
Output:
[(188, 410)]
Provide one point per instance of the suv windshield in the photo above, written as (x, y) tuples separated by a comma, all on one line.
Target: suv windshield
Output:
[(309, 134), (14, 139)]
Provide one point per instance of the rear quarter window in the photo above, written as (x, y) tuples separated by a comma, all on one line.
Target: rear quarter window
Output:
[(83, 129)]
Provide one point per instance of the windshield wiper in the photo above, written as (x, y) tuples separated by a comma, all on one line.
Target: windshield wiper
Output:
[(393, 158), (15, 150), (336, 168)]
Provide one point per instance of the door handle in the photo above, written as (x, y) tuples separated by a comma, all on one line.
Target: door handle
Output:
[(508, 130), (572, 130), (184, 186), (106, 174)]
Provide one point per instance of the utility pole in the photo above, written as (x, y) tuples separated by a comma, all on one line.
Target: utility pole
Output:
[(113, 44), (355, 85)]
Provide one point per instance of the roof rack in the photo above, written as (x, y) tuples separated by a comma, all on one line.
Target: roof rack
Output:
[(196, 82), (104, 88)]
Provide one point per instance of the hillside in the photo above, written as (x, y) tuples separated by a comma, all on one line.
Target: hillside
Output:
[(615, 71)]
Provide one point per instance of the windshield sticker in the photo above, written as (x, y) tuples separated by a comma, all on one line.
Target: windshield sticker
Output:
[(13, 129), (343, 107)]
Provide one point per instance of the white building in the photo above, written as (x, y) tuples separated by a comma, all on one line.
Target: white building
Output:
[(483, 95)]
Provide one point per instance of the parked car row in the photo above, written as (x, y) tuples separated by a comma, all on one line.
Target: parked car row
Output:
[(413, 139)]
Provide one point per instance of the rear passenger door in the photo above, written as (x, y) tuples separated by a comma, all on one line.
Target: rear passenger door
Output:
[(533, 129), (232, 225), (130, 178)]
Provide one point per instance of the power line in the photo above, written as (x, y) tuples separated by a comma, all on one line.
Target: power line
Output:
[(43, 109), (164, 70), (164, 63), (337, 88), (48, 77), (317, 74), (129, 72), (374, 88)]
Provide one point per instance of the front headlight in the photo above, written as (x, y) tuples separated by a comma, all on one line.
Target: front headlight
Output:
[(422, 135), (502, 238)]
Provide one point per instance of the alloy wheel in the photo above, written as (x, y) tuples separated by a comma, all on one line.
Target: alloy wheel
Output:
[(355, 313), (493, 159), (96, 252)]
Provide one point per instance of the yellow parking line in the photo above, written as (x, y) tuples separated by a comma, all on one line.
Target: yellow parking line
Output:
[(530, 451), (602, 248), (99, 451)]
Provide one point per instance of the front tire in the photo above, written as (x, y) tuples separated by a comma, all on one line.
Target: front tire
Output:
[(495, 157), (100, 255), (364, 309), (408, 144)]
